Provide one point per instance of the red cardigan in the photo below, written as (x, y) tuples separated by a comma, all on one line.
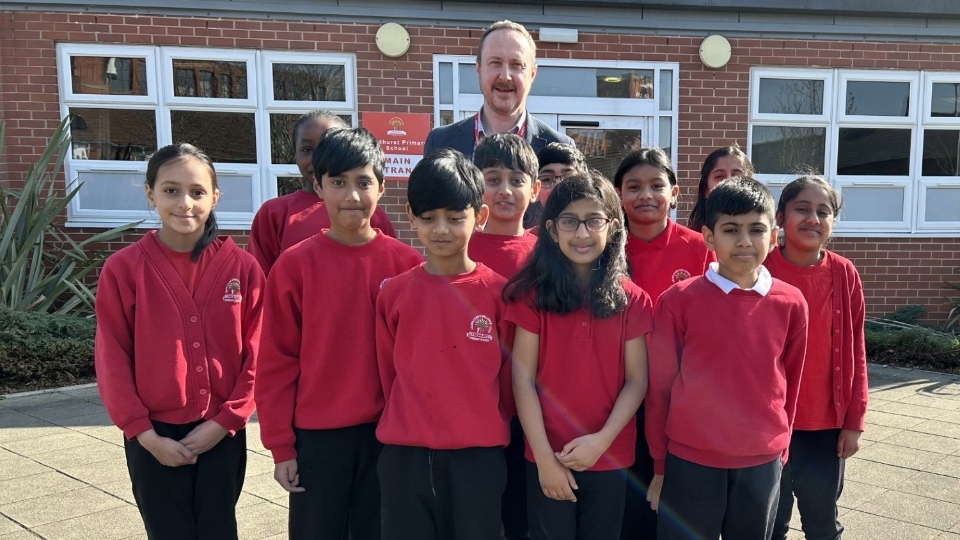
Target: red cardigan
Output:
[(162, 354), (848, 364)]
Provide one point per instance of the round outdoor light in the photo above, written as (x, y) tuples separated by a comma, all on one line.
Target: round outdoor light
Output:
[(715, 51), (393, 40)]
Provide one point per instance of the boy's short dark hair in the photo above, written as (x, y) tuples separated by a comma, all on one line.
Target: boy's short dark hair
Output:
[(445, 179), (508, 151), (737, 196), (562, 153), (342, 150)]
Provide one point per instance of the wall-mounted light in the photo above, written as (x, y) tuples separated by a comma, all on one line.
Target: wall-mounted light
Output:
[(715, 51), (559, 35), (393, 40)]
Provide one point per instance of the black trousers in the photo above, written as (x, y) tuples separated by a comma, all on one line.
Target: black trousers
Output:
[(341, 496), (814, 474), (596, 515), (189, 502), (514, 501), (441, 494), (639, 520), (703, 503)]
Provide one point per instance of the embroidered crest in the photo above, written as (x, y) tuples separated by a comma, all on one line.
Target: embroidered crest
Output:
[(232, 291), (680, 275), (481, 329)]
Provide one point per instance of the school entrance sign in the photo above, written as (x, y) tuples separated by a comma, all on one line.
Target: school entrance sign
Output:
[(401, 136)]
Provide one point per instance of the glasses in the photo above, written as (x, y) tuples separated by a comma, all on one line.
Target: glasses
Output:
[(571, 224), (549, 181)]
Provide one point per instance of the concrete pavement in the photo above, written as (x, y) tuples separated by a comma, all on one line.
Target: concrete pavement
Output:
[(63, 474)]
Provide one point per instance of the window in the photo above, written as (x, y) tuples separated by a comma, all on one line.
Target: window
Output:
[(888, 140), (127, 102)]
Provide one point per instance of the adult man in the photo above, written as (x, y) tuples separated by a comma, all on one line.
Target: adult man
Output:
[(506, 67)]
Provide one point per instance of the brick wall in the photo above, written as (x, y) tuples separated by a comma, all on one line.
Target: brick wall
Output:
[(713, 103)]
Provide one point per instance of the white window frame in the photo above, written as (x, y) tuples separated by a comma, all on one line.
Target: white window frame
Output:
[(834, 118), (160, 98)]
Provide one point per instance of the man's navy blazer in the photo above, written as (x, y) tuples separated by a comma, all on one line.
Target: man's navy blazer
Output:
[(461, 136)]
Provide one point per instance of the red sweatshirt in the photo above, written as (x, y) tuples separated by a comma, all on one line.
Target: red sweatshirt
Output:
[(502, 253), (834, 392), (164, 354), (678, 253), (318, 367), (291, 219), (580, 371), (724, 374), (442, 361)]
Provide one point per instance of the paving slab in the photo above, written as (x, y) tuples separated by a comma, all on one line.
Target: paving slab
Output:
[(865, 526), (114, 524), (60, 506), (915, 509)]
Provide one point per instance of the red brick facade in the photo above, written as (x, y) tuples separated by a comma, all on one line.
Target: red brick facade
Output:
[(713, 103)]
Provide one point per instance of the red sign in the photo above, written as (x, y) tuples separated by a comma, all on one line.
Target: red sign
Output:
[(401, 136)]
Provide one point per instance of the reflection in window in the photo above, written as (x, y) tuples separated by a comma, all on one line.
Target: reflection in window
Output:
[(788, 149), (113, 134), (873, 152), (225, 137), (281, 135), (605, 148), (446, 118), (872, 204), (205, 77), (288, 184), (791, 96), (945, 100), (309, 82), (108, 75), (567, 81), (943, 204), (941, 152), (878, 98)]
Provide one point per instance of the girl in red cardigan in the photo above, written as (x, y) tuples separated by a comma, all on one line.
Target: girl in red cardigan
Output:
[(833, 390), (178, 325)]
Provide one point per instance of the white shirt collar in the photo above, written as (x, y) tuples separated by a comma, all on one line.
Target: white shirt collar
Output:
[(515, 129), (762, 287)]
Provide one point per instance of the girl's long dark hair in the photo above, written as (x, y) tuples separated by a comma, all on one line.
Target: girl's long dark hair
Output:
[(698, 214), (177, 151), (549, 277)]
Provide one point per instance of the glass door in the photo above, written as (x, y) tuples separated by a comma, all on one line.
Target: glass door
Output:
[(606, 140)]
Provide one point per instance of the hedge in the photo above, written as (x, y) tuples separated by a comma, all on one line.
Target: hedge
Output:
[(43, 350)]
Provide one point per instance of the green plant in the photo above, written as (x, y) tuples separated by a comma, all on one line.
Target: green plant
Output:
[(953, 318), (41, 267), (42, 350)]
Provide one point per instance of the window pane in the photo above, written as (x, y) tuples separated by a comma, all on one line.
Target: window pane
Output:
[(872, 204), (113, 134), (788, 150), (945, 101), (666, 134), (208, 76), (225, 137), (878, 98), (309, 82), (873, 152), (791, 96), (108, 75), (281, 135), (563, 81), (236, 193), (288, 184), (446, 118), (943, 204), (112, 191), (469, 84), (446, 83), (666, 89), (941, 152), (604, 148)]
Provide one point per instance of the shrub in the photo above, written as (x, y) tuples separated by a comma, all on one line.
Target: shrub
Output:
[(41, 349), (895, 339)]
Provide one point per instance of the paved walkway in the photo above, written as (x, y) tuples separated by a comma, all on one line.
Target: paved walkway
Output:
[(63, 476)]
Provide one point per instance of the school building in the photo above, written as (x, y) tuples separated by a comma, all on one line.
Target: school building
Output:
[(865, 92)]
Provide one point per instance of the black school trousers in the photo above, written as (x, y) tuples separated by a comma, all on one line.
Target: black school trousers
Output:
[(639, 520), (702, 503), (432, 494), (814, 474), (597, 514), (514, 501), (189, 502), (338, 471)]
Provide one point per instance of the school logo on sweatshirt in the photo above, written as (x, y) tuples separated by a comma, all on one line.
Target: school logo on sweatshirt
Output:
[(232, 291), (481, 329), (680, 275)]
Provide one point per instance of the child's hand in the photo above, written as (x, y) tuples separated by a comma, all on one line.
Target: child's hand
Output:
[(848, 443), (583, 452), (166, 450), (285, 473), (204, 437), (653, 494), (557, 481)]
